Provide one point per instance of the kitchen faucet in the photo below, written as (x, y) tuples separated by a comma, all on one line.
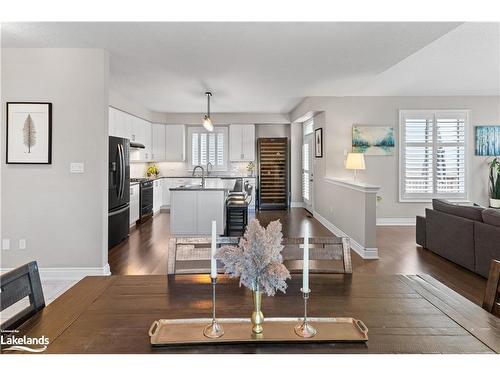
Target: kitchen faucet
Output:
[(202, 174)]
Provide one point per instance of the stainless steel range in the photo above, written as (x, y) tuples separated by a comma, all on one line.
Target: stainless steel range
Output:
[(145, 198)]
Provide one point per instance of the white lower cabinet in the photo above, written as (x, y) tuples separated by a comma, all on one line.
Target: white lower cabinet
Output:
[(134, 204), (183, 210), (167, 184), (157, 195), (192, 212)]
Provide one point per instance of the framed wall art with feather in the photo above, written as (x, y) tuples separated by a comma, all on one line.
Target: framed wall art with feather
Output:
[(29, 133)]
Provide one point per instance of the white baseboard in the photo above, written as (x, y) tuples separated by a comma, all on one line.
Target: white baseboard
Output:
[(296, 204), (396, 221), (363, 252), (69, 273)]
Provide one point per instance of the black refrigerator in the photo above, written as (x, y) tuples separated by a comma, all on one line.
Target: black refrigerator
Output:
[(118, 190)]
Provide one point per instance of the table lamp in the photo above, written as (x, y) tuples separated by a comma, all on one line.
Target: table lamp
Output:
[(355, 161)]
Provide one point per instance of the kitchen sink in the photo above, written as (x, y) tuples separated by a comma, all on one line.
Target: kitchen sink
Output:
[(191, 186)]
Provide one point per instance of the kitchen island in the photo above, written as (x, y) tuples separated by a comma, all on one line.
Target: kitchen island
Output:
[(193, 207)]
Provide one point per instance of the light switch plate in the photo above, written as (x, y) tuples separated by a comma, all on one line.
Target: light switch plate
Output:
[(5, 244), (77, 167)]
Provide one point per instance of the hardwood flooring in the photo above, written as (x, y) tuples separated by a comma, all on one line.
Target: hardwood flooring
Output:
[(145, 252)]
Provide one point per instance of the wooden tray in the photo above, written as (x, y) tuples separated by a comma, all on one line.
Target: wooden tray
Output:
[(174, 332)]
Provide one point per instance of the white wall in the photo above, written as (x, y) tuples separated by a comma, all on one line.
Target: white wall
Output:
[(340, 113), (62, 216), (124, 104), (221, 118), (272, 131)]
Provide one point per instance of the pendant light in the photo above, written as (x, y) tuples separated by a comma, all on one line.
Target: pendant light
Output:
[(207, 121)]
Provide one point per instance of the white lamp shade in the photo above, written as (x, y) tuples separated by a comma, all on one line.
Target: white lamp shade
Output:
[(355, 161)]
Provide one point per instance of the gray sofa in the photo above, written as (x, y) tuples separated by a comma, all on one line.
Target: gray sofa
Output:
[(466, 235)]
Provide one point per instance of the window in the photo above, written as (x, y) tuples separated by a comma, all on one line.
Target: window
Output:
[(207, 147), (308, 126), (432, 158)]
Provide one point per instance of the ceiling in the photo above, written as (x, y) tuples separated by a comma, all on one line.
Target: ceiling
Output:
[(271, 67)]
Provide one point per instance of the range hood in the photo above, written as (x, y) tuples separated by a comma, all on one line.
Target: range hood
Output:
[(136, 145)]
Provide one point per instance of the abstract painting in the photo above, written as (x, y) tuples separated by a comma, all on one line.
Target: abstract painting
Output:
[(373, 140), (29, 133), (488, 140), (318, 143)]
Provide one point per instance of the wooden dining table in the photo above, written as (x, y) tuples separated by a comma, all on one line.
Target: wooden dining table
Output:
[(403, 313)]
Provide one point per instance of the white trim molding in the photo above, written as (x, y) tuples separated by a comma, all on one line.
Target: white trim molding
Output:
[(354, 185), (396, 221), (363, 252), (296, 204), (69, 273)]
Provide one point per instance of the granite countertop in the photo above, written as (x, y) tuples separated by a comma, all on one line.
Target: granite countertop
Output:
[(222, 177), (181, 188)]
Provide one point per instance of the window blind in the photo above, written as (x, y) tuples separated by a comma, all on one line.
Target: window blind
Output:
[(208, 147), (432, 155)]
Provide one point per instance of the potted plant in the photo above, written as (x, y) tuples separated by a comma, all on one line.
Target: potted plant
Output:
[(153, 171), (494, 183), (257, 261), (250, 168)]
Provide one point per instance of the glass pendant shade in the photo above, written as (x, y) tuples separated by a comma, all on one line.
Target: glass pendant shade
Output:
[(207, 123)]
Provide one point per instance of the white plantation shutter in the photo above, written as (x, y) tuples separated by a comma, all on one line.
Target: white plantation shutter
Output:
[(305, 173), (432, 155), (208, 147)]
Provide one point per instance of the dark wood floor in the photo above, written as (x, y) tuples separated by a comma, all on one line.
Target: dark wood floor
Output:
[(145, 252)]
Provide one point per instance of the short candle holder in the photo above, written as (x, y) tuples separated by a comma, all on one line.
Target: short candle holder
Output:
[(214, 330), (305, 329)]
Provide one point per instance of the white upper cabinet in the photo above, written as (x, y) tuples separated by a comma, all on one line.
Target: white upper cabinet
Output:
[(158, 149), (175, 143), (242, 142)]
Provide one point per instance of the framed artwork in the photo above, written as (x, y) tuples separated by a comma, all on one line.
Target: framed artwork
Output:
[(487, 140), (318, 143), (29, 133), (373, 140)]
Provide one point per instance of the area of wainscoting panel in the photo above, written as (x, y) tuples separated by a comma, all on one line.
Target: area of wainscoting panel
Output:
[(396, 221), (363, 252)]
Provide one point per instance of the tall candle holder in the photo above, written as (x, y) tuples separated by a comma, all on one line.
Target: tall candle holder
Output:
[(305, 329), (214, 330)]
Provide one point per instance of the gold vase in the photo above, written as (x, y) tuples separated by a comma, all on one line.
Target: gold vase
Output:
[(257, 315)]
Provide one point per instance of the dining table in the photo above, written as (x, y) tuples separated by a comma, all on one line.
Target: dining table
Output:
[(403, 314)]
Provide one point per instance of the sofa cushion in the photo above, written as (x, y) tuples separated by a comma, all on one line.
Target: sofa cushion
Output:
[(491, 216), (468, 212), (451, 237), (486, 240)]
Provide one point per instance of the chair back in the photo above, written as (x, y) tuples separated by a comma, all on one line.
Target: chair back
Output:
[(17, 284), (491, 302), (326, 255)]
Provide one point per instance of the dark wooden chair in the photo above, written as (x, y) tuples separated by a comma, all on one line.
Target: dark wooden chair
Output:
[(17, 284), (191, 255), (491, 302)]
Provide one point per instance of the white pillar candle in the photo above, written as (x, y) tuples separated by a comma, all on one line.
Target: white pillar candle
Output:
[(213, 261), (305, 272)]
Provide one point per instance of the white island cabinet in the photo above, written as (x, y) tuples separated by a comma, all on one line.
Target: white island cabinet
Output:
[(192, 211)]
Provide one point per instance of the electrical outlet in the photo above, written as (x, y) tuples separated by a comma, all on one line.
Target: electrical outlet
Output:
[(77, 167), (5, 244), (22, 244)]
